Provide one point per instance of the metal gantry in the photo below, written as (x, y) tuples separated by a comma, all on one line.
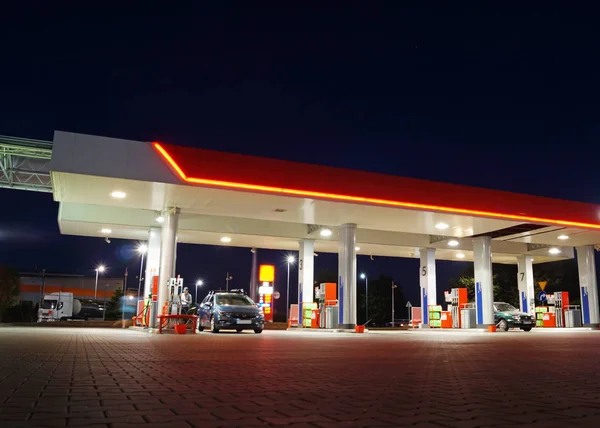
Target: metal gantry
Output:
[(25, 164)]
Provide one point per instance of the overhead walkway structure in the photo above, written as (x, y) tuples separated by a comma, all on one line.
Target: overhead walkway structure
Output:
[(24, 164)]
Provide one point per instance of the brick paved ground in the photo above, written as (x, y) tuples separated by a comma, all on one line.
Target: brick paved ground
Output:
[(56, 377)]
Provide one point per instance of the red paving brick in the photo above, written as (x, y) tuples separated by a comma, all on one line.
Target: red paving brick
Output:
[(61, 377)]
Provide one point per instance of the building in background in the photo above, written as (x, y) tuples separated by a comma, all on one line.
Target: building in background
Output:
[(33, 284)]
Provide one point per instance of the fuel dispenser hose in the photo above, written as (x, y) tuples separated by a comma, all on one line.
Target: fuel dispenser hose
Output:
[(145, 314)]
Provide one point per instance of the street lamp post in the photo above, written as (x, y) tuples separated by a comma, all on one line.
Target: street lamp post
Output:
[(227, 279), (198, 284), (290, 260), (142, 249), (99, 270), (394, 286), (43, 287), (104, 305), (364, 276)]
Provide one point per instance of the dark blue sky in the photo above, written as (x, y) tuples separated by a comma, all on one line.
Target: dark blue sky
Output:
[(487, 95)]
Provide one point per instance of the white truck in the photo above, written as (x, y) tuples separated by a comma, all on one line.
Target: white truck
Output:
[(62, 306)]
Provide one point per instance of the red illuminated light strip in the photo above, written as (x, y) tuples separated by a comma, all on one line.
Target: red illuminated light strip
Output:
[(372, 201)]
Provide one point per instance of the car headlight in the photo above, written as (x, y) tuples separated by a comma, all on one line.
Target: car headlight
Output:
[(224, 314), (516, 317)]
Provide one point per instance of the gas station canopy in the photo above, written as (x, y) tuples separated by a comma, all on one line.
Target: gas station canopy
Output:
[(117, 188)]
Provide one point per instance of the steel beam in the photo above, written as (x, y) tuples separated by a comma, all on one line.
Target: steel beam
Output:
[(24, 164)]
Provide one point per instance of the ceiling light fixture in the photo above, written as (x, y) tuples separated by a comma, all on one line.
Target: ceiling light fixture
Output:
[(225, 239), (326, 232), (159, 219), (453, 243), (106, 231), (356, 248), (441, 226), (554, 250), (117, 194), (563, 237), (460, 255)]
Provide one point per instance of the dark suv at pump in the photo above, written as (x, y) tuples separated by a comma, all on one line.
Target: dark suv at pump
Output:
[(230, 310), (507, 316)]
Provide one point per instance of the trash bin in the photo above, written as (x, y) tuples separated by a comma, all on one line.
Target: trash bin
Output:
[(331, 316), (467, 318), (572, 318)]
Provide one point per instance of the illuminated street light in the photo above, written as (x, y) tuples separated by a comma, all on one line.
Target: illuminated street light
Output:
[(100, 269), (142, 249), (364, 276), (198, 284), (290, 261)]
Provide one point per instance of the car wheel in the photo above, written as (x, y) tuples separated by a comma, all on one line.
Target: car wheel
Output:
[(213, 327), (502, 325), (258, 330), (239, 330), (526, 328)]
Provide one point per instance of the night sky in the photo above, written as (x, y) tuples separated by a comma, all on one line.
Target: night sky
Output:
[(487, 95)]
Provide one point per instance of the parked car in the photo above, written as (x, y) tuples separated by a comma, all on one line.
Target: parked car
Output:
[(230, 310), (507, 316)]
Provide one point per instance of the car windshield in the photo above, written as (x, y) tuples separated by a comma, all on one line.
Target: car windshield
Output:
[(504, 307), (233, 300), (49, 304)]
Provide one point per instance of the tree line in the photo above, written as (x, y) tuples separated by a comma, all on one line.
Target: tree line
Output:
[(560, 276)]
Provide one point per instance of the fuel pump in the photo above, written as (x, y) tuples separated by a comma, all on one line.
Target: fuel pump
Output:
[(320, 298), (458, 300), (175, 288), (560, 300), (326, 294)]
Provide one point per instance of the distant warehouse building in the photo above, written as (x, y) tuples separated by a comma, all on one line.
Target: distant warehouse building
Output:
[(33, 284)]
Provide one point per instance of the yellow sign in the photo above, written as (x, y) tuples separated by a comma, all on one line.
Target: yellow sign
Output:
[(542, 284), (266, 273)]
